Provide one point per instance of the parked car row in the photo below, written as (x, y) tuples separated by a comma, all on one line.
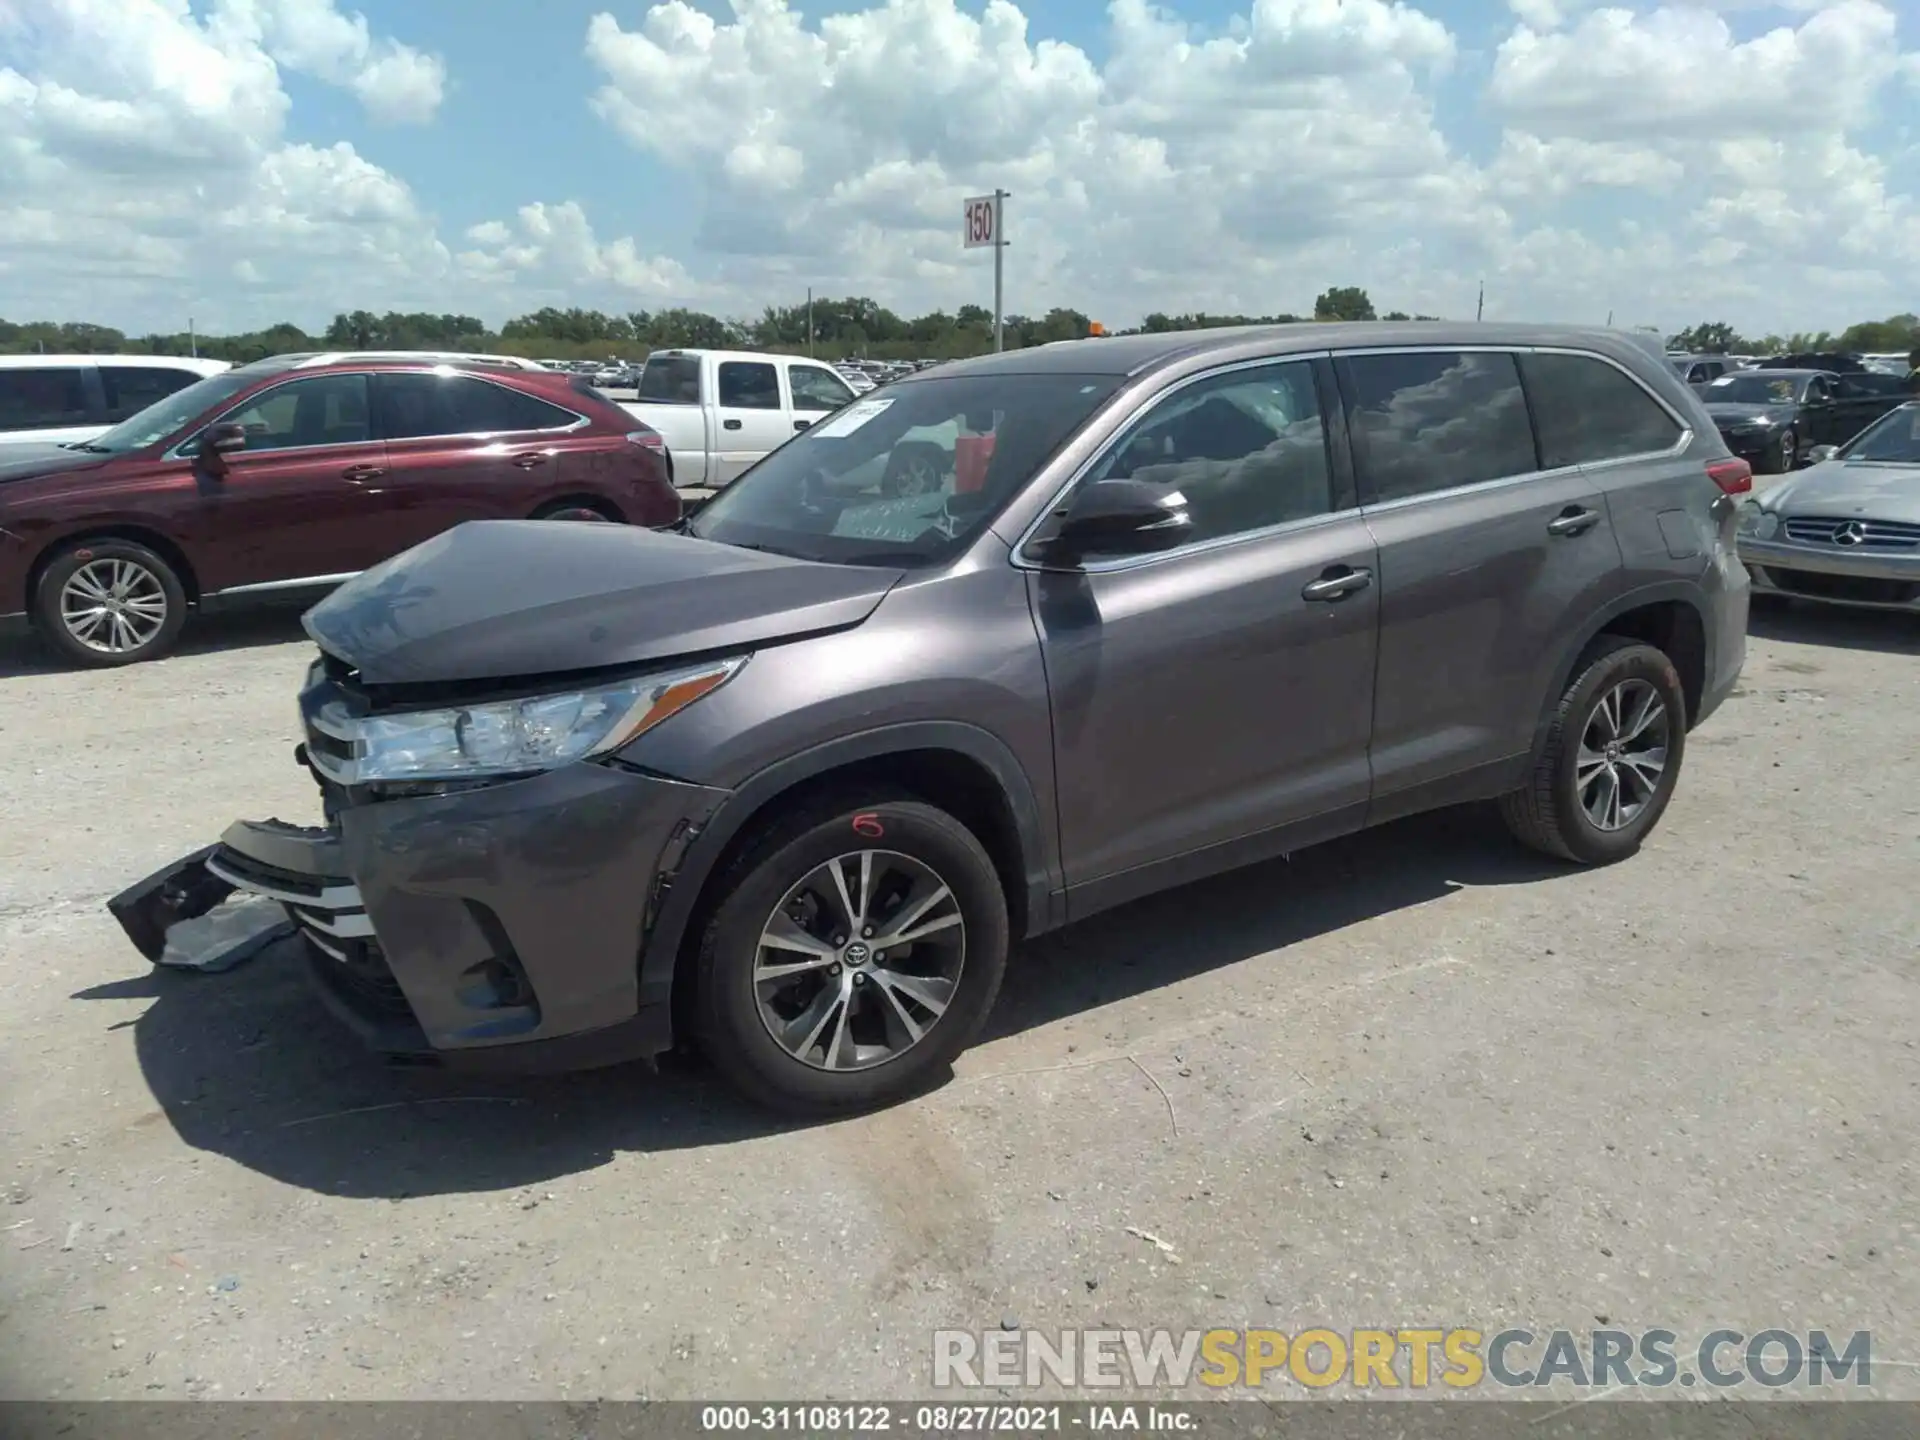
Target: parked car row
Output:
[(284, 477), (1772, 416)]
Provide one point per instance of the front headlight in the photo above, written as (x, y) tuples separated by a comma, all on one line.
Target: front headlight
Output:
[(512, 737), (1757, 521)]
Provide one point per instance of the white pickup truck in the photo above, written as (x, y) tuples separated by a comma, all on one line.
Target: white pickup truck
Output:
[(721, 410)]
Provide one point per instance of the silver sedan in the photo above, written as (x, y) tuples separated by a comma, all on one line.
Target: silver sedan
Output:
[(1847, 529)]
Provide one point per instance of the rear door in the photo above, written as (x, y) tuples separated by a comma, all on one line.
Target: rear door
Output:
[(298, 502), (1485, 560), (460, 447), (752, 415)]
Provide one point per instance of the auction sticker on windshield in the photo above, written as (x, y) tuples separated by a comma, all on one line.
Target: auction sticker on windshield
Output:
[(852, 418)]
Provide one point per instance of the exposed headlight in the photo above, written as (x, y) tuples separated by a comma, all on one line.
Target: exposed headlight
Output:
[(1757, 521), (512, 737)]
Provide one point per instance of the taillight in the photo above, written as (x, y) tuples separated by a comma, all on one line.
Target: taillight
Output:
[(652, 439), (1734, 477)]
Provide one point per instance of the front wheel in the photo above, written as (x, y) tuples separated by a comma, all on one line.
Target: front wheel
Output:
[(109, 602), (1786, 454), (855, 951), (1611, 760)]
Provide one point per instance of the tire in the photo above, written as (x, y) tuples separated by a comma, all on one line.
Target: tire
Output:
[(591, 511), (827, 1065), (1785, 456), (147, 590), (1551, 812)]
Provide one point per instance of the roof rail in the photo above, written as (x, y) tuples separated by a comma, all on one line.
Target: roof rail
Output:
[(453, 357)]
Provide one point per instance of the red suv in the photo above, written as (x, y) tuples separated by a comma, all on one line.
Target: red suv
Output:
[(292, 474)]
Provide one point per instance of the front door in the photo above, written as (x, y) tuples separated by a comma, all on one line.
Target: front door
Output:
[(1223, 692), (1486, 559), (293, 503), (752, 416)]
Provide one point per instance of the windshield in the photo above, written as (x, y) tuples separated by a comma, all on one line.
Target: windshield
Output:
[(174, 413), (1894, 437), (1752, 389), (908, 476)]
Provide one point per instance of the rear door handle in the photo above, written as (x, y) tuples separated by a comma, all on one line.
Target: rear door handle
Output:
[(1573, 522), (729, 424), (526, 460), (358, 473), (1337, 584)]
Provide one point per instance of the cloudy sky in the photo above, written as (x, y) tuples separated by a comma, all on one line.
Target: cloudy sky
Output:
[(244, 161)]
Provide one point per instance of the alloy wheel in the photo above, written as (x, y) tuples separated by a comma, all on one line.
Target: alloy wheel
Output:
[(113, 606), (1623, 754), (859, 961)]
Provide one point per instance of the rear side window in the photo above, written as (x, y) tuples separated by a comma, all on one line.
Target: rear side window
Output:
[(749, 385), (412, 406), (131, 388), (1433, 420), (42, 399), (1587, 411), (671, 380)]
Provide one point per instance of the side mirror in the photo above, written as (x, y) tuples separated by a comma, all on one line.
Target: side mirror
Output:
[(221, 438), (1118, 517), (1822, 452)]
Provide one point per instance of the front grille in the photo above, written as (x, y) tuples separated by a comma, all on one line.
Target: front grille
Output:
[(1859, 589), (1872, 534)]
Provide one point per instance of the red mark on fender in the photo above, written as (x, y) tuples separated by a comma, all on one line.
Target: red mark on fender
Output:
[(868, 825)]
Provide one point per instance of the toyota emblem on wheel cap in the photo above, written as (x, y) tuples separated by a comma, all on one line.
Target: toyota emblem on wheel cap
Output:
[(1851, 533)]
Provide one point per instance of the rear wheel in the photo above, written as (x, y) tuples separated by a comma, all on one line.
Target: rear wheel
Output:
[(855, 951), (590, 511), (109, 602), (1611, 760), (1785, 454)]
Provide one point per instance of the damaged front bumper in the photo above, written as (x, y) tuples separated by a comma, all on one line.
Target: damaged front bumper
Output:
[(500, 927)]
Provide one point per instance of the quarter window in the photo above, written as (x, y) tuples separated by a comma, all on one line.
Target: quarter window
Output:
[(325, 410), (816, 390), (131, 388), (1432, 420), (416, 405), (1246, 449), (749, 385), (1587, 411), (42, 399)]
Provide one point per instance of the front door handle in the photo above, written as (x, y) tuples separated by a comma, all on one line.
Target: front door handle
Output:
[(729, 424), (1337, 583), (357, 473), (528, 459), (1573, 521), (801, 424)]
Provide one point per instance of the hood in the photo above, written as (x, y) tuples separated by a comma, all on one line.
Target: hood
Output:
[(1848, 489), (1729, 412), (494, 599), (31, 461)]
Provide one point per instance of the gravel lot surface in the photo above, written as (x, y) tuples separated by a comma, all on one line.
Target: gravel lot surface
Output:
[(1413, 1077)]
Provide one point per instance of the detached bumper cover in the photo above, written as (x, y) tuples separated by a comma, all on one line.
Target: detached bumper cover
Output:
[(500, 926)]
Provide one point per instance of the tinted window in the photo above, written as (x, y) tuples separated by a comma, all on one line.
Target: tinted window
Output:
[(42, 399), (131, 388), (1586, 410), (1246, 449), (816, 389), (1436, 419), (1871, 383), (325, 410), (671, 380), (749, 385), (169, 416), (1754, 387), (908, 475), (416, 405)]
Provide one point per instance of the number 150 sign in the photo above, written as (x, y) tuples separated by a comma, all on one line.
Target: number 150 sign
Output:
[(981, 225)]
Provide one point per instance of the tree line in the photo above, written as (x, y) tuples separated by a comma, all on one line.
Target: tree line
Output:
[(831, 328)]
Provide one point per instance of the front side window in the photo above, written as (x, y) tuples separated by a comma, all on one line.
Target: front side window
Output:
[(1587, 411), (1246, 450), (749, 385), (302, 414), (413, 405), (816, 390), (907, 476), (42, 399), (131, 388), (1433, 420)]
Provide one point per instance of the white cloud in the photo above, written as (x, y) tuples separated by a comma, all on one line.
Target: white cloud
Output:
[(551, 252), (395, 82)]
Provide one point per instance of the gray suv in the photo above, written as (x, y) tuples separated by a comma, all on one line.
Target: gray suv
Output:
[(792, 782)]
